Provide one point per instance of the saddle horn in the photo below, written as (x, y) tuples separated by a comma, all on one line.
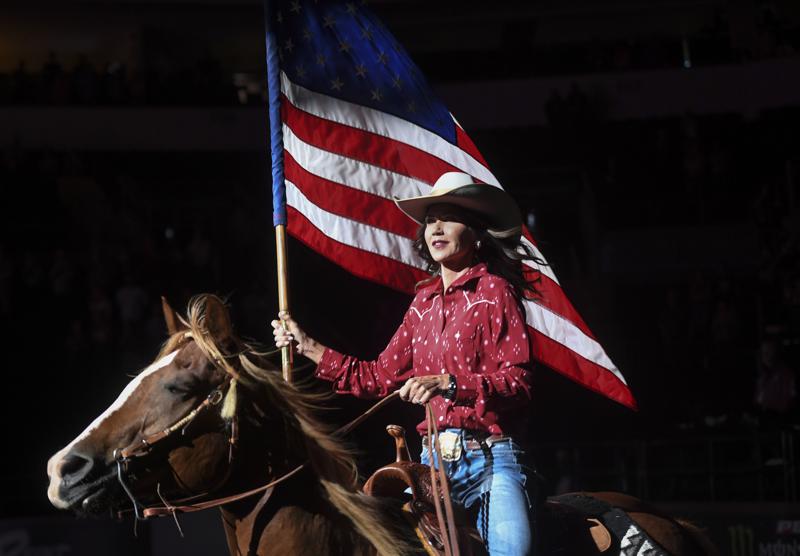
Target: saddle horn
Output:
[(401, 447)]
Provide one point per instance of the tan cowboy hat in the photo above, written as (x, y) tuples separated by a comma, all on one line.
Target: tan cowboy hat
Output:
[(457, 188)]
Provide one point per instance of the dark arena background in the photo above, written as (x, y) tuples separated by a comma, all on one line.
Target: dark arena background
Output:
[(653, 146)]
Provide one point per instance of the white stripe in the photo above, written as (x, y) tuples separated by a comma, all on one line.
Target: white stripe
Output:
[(124, 395), (350, 172), (387, 125), (559, 329), (546, 269), (354, 233)]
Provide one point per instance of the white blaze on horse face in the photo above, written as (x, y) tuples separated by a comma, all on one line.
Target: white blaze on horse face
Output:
[(53, 464)]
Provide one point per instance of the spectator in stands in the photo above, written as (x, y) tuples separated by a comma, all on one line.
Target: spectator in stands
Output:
[(776, 390)]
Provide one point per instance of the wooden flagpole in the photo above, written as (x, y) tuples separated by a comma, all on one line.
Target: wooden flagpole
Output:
[(283, 295)]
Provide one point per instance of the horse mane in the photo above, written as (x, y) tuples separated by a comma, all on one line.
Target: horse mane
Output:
[(330, 457)]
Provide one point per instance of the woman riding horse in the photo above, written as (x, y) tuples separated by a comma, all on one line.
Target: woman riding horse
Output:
[(463, 348)]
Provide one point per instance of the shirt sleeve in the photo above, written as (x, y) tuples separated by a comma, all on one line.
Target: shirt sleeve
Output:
[(371, 379), (508, 358)]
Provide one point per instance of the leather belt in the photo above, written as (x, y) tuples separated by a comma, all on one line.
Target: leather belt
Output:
[(474, 441)]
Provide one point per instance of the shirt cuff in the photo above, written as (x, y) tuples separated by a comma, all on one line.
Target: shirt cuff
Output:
[(330, 365), (467, 387)]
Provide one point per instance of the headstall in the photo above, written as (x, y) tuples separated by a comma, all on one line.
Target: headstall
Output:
[(125, 457)]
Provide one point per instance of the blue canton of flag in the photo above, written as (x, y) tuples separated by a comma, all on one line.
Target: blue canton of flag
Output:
[(343, 50)]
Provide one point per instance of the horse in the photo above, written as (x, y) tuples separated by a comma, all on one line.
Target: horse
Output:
[(211, 422)]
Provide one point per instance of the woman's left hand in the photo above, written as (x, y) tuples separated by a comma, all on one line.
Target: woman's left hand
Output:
[(420, 389)]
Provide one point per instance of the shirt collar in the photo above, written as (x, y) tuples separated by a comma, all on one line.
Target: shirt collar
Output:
[(462, 281)]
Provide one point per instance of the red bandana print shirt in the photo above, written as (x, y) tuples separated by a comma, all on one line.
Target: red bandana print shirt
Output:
[(476, 331)]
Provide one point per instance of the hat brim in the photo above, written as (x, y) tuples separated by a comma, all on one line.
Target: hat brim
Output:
[(496, 206)]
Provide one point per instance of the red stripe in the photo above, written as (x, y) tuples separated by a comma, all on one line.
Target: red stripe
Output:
[(464, 142), (364, 145), (553, 298), (370, 266), (348, 202), (586, 373)]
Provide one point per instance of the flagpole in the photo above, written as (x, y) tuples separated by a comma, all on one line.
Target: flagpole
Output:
[(278, 185)]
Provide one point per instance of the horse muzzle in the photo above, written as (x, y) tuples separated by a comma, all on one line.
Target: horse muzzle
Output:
[(78, 482)]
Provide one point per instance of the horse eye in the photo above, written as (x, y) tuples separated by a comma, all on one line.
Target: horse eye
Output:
[(176, 389)]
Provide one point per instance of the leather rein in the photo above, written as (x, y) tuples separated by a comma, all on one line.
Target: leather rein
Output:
[(124, 457)]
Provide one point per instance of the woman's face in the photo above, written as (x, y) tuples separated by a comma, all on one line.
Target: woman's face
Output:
[(450, 241)]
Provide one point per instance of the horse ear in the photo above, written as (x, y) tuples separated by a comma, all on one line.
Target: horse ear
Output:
[(174, 324), (218, 320)]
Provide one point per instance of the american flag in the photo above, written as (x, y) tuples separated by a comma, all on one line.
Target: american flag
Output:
[(354, 123)]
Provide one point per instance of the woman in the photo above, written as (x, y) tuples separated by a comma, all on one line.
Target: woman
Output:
[(463, 347)]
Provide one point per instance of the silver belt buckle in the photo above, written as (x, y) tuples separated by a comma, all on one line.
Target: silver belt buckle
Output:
[(450, 444)]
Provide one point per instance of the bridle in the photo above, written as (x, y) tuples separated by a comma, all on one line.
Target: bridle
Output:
[(124, 458)]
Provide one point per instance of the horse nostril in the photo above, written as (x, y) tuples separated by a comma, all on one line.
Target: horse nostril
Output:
[(75, 467)]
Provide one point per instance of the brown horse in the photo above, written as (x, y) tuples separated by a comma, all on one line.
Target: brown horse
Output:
[(211, 417)]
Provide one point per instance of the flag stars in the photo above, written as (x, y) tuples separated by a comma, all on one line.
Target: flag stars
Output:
[(382, 59), (411, 107), (397, 83), (328, 21), (288, 45), (344, 46), (361, 70), (351, 8), (337, 84), (366, 33), (300, 71), (321, 59), (279, 16), (294, 6), (307, 34)]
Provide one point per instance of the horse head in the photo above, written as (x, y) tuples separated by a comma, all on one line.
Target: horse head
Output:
[(168, 426), (207, 422)]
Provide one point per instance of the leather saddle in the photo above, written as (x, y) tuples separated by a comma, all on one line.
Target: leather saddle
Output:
[(568, 530), (403, 475)]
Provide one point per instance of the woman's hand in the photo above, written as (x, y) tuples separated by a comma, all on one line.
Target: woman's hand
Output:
[(286, 330), (420, 389)]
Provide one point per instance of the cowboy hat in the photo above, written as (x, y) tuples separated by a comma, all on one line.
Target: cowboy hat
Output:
[(496, 206)]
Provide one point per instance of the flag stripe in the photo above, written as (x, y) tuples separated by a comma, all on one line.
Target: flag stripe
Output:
[(561, 330), (553, 298), (386, 125), (351, 203), (376, 268), (345, 170), (354, 233), (365, 146), (545, 269), (592, 376), (463, 140)]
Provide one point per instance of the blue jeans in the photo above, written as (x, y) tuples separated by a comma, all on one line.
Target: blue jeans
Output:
[(494, 479)]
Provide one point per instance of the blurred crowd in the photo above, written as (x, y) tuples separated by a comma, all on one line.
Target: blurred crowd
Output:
[(83, 82), (731, 36)]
